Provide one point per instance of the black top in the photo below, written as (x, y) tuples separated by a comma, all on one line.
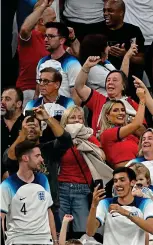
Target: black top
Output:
[(123, 35), (8, 137)]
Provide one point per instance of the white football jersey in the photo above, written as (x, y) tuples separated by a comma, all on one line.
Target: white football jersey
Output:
[(26, 206), (118, 229)]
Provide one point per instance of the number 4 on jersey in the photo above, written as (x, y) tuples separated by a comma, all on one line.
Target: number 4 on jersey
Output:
[(23, 209)]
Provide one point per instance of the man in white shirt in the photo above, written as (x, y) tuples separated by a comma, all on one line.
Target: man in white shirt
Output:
[(26, 200), (125, 218)]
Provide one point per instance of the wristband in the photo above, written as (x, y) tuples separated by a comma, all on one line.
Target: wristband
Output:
[(84, 70), (73, 39), (142, 103), (55, 241)]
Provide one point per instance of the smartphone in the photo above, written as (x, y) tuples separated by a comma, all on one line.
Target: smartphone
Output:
[(112, 43), (97, 182), (30, 113), (100, 183)]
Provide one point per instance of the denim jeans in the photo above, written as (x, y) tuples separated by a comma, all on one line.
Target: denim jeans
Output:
[(74, 201)]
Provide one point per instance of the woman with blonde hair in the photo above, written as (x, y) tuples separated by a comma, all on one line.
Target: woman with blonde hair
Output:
[(145, 154), (75, 174), (117, 136)]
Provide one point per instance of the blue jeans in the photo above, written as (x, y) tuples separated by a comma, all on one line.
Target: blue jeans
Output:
[(74, 201)]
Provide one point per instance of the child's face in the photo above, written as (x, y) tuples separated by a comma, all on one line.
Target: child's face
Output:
[(141, 181)]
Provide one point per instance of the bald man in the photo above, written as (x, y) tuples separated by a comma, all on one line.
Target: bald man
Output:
[(31, 46), (120, 35)]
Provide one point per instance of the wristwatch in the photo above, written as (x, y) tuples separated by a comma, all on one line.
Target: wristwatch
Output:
[(131, 214)]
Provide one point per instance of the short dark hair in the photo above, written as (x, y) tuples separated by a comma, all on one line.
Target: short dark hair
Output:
[(119, 3), (63, 31), (56, 74), (92, 45), (18, 92), (73, 241), (24, 147), (124, 80), (130, 173)]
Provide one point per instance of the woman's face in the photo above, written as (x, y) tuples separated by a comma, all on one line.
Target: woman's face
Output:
[(114, 85), (75, 117), (117, 114), (147, 142)]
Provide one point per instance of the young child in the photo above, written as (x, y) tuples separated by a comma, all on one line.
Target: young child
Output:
[(62, 238), (143, 187)]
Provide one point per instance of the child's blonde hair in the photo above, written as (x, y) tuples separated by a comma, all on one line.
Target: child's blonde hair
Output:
[(140, 168), (73, 242)]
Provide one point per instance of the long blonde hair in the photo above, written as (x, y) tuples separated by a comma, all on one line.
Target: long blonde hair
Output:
[(140, 141), (104, 122), (68, 112)]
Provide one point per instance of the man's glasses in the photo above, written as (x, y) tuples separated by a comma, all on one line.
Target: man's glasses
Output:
[(50, 36), (44, 81)]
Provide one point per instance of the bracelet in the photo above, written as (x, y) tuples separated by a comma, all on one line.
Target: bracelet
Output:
[(142, 103), (73, 39), (84, 70), (55, 241)]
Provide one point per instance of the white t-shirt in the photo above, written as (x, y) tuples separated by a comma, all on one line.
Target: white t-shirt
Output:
[(118, 229), (97, 77), (84, 11), (26, 208), (67, 65), (140, 13)]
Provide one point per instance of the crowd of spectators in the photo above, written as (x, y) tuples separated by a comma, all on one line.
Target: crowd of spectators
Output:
[(77, 122)]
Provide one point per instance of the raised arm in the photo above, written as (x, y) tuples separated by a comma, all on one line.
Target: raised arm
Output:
[(42, 115), (82, 90), (92, 222), (75, 44), (33, 18), (149, 100), (126, 60), (62, 238), (22, 136), (138, 120)]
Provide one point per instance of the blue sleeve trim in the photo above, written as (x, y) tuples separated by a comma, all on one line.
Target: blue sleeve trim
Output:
[(101, 222)]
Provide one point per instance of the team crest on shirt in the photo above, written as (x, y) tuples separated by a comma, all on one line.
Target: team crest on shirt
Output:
[(41, 195)]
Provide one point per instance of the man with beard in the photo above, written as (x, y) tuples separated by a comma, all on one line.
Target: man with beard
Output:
[(51, 151), (23, 193), (11, 117)]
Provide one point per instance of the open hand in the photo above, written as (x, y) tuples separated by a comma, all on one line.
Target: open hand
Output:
[(117, 51)]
